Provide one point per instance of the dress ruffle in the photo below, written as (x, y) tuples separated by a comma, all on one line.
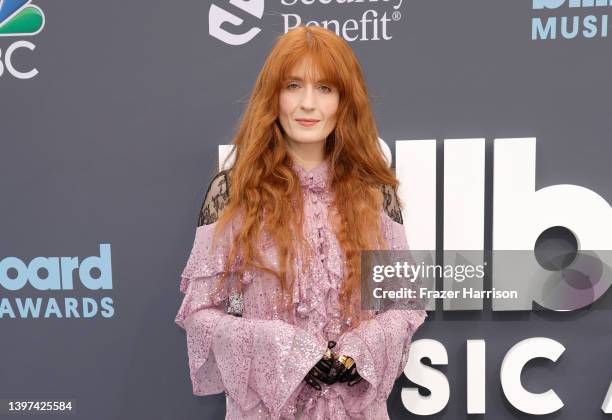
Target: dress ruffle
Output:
[(207, 258), (247, 358), (318, 289)]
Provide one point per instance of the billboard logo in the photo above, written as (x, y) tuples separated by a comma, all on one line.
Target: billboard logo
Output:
[(19, 18), (48, 288), (593, 23), (554, 4), (238, 36)]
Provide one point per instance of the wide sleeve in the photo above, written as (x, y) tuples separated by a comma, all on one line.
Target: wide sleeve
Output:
[(380, 346), (253, 360)]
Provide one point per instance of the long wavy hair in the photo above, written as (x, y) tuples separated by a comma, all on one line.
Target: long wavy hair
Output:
[(265, 192)]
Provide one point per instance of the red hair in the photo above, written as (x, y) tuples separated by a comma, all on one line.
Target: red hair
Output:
[(266, 192)]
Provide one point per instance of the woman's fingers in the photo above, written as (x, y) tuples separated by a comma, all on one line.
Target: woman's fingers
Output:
[(325, 363), (322, 372), (350, 374), (330, 372), (345, 376), (337, 370), (330, 376), (353, 376), (354, 381), (312, 382)]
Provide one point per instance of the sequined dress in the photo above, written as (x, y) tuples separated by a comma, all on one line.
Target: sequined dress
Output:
[(241, 343)]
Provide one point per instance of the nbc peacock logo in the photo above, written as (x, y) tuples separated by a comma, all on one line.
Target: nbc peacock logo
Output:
[(20, 18)]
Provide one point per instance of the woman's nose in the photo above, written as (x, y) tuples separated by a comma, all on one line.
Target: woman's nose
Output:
[(308, 98)]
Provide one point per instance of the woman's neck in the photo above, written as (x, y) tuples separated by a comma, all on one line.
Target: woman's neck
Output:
[(307, 155)]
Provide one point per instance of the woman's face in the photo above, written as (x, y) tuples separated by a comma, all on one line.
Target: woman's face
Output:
[(307, 108)]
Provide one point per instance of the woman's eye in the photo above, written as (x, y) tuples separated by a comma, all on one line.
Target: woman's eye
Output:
[(294, 85)]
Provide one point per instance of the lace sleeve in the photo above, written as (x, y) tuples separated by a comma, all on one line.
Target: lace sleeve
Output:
[(213, 203), (215, 199), (391, 204)]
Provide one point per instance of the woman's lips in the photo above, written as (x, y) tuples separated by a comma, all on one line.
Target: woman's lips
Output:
[(307, 122)]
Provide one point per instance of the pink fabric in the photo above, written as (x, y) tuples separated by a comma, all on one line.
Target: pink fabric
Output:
[(260, 360)]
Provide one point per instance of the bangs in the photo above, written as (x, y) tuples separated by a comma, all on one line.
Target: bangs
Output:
[(321, 65)]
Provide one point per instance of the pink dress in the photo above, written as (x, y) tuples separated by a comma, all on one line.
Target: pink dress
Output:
[(259, 359)]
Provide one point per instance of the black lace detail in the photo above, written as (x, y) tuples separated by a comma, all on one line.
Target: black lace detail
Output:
[(391, 204), (214, 202), (215, 199)]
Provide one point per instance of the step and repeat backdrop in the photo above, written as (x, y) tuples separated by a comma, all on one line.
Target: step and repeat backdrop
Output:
[(497, 114)]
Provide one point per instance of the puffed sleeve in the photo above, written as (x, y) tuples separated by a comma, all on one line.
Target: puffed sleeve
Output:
[(380, 346), (253, 360)]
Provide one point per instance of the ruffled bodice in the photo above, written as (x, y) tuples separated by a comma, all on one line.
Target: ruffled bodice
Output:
[(317, 305)]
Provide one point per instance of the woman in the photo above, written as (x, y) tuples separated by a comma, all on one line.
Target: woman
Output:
[(272, 289)]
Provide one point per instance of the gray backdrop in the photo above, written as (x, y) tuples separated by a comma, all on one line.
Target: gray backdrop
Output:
[(115, 140)]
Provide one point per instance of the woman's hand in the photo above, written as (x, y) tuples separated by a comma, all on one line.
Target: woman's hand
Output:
[(346, 370), (331, 369), (322, 371)]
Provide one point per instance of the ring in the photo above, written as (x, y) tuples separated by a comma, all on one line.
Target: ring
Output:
[(348, 362)]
